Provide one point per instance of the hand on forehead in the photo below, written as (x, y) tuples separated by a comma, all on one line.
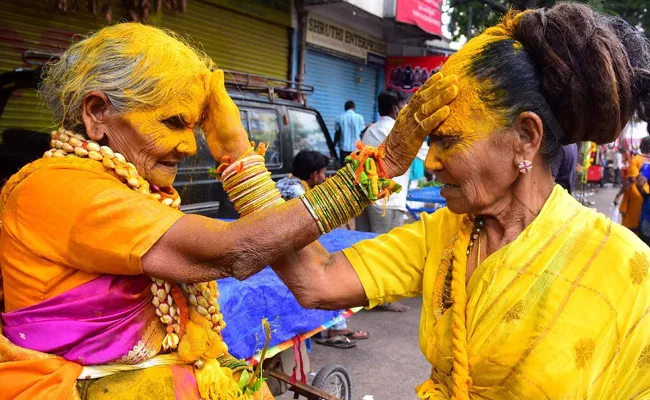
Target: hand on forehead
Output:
[(470, 116)]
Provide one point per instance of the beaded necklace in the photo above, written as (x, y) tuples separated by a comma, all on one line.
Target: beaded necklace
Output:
[(203, 296), (479, 223)]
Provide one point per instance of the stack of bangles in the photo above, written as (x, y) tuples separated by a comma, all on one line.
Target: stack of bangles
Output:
[(336, 201), (234, 364), (333, 203), (249, 186)]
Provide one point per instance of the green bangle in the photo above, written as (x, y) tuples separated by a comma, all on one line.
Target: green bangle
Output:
[(336, 201), (231, 362)]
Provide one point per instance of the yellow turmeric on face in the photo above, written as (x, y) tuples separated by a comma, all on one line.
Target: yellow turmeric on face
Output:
[(471, 117), (159, 137)]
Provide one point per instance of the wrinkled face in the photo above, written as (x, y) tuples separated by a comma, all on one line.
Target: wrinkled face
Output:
[(477, 176), (471, 152), (156, 140)]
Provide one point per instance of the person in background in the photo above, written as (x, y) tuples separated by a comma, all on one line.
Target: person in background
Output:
[(564, 167), (390, 102), (307, 171), (348, 128), (618, 164), (632, 201), (373, 219), (641, 184)]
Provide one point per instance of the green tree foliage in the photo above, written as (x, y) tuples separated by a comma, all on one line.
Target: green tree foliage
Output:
[(485, 13)]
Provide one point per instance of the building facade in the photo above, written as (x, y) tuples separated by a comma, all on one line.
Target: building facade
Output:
[(252, 36), (348, 43)]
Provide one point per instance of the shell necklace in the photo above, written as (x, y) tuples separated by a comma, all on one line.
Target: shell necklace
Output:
[(202, 296)]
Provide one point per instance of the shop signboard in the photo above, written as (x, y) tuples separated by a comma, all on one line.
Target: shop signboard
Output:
[(409, 73), (426, 14), (345, 41)]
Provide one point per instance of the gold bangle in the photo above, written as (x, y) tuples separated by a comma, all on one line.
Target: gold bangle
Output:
[(249, 186), (313, 214)]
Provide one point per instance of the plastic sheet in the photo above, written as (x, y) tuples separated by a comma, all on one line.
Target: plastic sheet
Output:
[(245, 304)]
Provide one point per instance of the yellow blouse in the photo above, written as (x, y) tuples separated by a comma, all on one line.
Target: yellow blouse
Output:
[(559, 313)]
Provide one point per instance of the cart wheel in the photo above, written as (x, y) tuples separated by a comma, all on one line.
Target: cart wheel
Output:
[(335, 380)]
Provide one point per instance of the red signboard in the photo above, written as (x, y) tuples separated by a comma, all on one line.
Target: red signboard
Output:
[(409, 73), (426, 14)]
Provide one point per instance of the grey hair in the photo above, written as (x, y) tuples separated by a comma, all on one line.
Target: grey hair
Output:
[(113, 61)]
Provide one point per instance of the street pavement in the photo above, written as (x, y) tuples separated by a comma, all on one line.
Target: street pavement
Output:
[(389, 364), (601, 199)]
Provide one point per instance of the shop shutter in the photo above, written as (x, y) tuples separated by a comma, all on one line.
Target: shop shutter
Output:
[(234, 41), (34, 25), (336, 81)]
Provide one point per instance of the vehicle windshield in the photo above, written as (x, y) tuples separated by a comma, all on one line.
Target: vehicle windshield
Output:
[(307, 133)]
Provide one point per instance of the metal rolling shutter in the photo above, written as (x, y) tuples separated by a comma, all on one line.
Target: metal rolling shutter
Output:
[(34, 25), (337, 81), (234, 41)]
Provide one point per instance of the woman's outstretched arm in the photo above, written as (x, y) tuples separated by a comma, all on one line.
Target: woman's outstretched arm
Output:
[(200, 249), (196, 248)]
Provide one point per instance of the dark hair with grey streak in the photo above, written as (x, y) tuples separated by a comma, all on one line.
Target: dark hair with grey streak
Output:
[(584, 73)]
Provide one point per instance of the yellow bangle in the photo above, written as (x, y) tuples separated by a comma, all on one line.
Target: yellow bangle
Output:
[(249, 186)]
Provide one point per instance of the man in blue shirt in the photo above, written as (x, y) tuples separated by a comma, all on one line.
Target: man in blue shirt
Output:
[(348, 128)]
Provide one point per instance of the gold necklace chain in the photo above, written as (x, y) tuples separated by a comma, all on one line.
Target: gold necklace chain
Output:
[(475, 236)]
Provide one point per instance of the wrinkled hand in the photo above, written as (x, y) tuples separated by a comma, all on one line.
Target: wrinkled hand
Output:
[(429, 107), (223, 129)]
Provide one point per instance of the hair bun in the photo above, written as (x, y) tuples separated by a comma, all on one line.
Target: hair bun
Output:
[(637, 47), (591, 78)]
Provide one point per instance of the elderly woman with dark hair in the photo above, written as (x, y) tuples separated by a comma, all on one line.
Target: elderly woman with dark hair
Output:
[(526, 293)]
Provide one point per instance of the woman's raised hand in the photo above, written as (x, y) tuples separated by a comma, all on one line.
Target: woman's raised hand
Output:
[(222, 125), (425, 112)]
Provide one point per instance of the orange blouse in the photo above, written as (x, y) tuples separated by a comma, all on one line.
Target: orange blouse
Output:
[(66, 224)]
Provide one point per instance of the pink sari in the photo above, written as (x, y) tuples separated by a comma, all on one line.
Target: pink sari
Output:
[(107, 320)]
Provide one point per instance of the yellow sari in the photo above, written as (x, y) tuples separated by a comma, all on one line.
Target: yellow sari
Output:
[(559, 313)]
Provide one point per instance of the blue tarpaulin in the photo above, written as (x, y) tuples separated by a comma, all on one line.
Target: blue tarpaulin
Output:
[(245, 304)]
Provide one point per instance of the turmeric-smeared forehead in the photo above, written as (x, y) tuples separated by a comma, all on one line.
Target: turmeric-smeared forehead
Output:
[(471, 114), (134, 65)]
